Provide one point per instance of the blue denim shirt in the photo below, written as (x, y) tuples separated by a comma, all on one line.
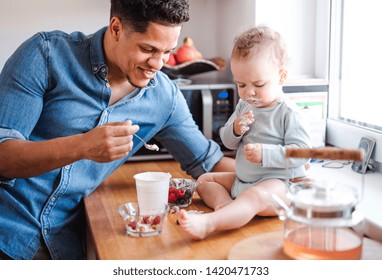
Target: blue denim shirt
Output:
[(55, 85)]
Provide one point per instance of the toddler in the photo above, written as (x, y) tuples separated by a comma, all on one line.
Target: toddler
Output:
[(263, 125)]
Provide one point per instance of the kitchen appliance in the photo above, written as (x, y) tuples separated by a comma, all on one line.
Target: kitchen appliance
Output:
[(211, 105), (322, 221), (312, 102)]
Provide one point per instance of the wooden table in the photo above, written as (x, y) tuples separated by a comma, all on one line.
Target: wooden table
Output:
[(107, 230)]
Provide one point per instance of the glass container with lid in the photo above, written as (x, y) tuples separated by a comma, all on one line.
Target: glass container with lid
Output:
[(320, 220)]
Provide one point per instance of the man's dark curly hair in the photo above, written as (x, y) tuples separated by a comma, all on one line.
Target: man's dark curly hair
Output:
[(137, 14)]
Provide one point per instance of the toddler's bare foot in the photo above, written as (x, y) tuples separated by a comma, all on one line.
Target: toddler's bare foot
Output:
[(194, 225)]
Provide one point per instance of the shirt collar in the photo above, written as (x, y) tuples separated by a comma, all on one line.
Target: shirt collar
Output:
[(97, 57)]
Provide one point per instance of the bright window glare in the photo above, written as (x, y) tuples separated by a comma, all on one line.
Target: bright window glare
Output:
[(361, 85)]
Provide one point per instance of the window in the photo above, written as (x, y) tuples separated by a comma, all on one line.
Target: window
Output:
[(360, 68), (355, 61)]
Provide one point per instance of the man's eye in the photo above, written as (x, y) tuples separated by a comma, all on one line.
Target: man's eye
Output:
[(261, 85), (147, 50)]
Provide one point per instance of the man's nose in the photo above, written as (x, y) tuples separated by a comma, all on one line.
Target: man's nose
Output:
[(156, 61)]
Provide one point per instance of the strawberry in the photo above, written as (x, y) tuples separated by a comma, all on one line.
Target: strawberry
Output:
[(179, 193), (133, 224), (171, 198), (171, 190), (156, 220), (146, 220)]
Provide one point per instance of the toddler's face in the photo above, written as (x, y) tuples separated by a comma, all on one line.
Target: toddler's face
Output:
[(259, 79)]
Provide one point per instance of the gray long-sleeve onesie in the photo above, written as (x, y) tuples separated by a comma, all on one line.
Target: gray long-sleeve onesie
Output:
[(276, 128)]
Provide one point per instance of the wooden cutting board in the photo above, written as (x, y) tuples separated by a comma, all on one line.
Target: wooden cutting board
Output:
[(269, 246)]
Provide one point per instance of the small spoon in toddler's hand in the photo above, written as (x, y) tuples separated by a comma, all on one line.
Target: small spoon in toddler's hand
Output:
[(152, 147)]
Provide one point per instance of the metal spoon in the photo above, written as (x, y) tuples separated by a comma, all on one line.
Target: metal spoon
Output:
[(152, 147)]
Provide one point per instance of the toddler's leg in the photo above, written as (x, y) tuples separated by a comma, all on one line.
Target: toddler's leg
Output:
[(215, 188), (253, 201)]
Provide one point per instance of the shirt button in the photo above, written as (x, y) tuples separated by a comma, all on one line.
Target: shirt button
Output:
[(67, 167), (107, 85), (95, 68), (103, 70), (45, 231), (53, 198)]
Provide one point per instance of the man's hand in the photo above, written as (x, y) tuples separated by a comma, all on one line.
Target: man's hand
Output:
[(31, 158), (109, 142)]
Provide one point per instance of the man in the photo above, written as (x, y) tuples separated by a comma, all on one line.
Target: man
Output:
[(70, 104)]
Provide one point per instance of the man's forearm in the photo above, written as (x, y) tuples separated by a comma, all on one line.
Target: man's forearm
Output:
[(105, 143), (21, 158)]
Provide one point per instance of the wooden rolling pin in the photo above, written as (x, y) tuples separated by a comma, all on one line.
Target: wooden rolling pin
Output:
[(325, 153)]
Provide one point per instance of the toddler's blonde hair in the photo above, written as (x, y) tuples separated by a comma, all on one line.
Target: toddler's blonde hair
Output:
[(261, 38)]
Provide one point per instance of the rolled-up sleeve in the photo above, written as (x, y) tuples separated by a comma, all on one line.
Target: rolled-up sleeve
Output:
[(186, 143), (213, 156), (22, 84), (7, 134)]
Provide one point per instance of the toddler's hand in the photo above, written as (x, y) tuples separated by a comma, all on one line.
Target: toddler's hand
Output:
[(241, 124), (253, 152)]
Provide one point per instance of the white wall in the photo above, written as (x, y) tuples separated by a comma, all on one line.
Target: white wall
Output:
[(20, 19), (213, 26), (297, 22), (302, 23)]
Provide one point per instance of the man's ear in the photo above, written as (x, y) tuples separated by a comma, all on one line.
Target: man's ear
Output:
[(115, 27), (283, 76)]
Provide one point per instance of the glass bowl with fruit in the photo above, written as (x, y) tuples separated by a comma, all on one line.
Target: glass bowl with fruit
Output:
[(139, 225), (181, 192)]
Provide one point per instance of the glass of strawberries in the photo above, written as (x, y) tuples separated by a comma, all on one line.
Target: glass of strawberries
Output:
[(181, 192)]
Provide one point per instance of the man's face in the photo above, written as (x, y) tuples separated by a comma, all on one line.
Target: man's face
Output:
[(138, 56)]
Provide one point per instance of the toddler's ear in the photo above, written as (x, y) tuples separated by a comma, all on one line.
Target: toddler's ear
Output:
[(283, 76)]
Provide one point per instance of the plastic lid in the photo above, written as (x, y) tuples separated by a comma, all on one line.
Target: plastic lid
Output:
[(323, 197)]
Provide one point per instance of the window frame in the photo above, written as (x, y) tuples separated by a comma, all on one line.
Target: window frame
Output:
[(341, 132)]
